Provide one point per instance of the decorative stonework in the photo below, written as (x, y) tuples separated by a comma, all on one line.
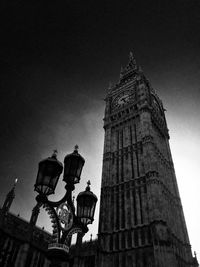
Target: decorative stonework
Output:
[(139, 195)]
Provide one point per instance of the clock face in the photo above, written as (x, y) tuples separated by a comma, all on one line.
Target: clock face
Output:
[(122, 99)]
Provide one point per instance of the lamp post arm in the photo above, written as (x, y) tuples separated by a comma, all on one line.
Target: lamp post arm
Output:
[(67, 197), (57, 203)]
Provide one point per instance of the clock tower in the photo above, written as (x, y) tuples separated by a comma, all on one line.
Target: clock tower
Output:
[(141, 218)]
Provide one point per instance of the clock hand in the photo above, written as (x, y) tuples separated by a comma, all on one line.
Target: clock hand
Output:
[(125, 99)]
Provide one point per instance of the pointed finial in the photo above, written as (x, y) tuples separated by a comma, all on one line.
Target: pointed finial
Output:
[(88, 186), (15, 183), (140, 69), (132, 60), (73, 199), (55, 152), (121, 72), (131, 57), (195, 254), (16, 180), (76, 148)]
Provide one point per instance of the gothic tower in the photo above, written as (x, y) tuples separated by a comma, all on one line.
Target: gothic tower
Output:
[(141, 218), (9, 198)]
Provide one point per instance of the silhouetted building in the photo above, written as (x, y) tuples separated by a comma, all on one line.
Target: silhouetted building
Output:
[(21, 243), (141, 222), (141, 219)]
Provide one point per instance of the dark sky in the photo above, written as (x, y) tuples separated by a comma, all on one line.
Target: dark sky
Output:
[(57, 59)]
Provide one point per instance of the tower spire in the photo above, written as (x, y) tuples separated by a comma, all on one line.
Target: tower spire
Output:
[(131, 68), (131, 57), (9, 198), (132, 62)]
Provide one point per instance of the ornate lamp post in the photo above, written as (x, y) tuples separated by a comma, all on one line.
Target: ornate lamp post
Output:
[(65, 222)]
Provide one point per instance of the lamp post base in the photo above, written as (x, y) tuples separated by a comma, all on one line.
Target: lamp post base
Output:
[(57, 253)]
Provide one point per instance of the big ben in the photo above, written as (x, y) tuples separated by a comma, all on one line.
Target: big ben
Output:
[(141, 221)]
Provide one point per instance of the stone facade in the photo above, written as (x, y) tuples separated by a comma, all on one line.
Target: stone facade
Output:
[(21, 244), (141, 219)]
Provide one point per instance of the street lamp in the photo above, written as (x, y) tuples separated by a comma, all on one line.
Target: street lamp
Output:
[(65, 222), (86, 203)]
